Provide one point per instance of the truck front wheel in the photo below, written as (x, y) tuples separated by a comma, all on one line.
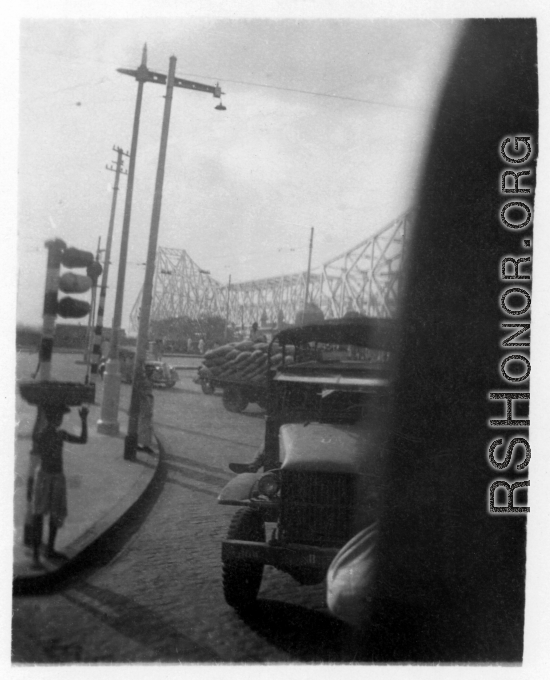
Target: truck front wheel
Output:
[(241, 578), (207, 387)]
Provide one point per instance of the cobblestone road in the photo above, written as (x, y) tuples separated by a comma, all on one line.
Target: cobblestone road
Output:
[(159, 597)]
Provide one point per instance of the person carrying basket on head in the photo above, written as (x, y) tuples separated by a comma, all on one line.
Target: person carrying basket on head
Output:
[(49, 488)]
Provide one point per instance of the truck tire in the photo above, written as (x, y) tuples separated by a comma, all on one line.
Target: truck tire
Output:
[(242, 579), (234, 399), (207, 387)]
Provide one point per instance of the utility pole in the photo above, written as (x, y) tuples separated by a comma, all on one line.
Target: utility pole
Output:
[(227, 308), (131, 441), (308, 273), (98, 332)]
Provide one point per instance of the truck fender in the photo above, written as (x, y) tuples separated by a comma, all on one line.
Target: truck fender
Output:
[(239, 489)]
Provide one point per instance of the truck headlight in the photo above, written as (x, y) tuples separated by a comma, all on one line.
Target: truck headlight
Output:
[(269, 485)]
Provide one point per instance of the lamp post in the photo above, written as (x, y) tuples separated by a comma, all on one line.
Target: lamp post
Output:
[(131, 441), (108, 422)]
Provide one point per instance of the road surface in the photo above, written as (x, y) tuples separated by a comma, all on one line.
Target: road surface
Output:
[(156, 594)]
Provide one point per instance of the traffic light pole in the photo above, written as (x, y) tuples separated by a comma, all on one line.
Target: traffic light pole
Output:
[(53, 267), (45, 351), (89, 330), (55, 251)]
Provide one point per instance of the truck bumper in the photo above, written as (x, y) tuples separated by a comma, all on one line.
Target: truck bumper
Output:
[(278, 556)]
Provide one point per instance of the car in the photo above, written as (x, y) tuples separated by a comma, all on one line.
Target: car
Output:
[(163, 375), (323, 448)]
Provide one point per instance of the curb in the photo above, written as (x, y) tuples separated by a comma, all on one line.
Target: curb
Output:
[(86, 548)]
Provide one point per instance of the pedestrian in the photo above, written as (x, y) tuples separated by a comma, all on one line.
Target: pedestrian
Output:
[(49, 489), (158, 349), (34, 464), (146, 409), (201, 346), (105, 348), (127, 368)]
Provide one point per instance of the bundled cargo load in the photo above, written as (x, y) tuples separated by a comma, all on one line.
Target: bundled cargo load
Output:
[(241, 369), (245, 361)]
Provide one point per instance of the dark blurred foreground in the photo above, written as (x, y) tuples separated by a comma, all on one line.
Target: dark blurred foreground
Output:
[(452, 577)]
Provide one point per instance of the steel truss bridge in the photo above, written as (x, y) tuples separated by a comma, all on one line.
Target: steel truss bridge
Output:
[(364, 279)]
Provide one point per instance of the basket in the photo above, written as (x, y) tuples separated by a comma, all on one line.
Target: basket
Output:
[(50, 392)]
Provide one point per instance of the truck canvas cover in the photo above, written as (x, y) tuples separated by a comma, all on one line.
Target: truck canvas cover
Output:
[(374, 333)]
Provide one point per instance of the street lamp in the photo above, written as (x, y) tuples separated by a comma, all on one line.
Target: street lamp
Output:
[(108, 422), (130, 443)]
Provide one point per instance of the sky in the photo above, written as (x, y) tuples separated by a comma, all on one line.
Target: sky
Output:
[(325, 127)]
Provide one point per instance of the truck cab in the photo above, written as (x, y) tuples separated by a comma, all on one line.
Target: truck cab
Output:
[(323, 448)]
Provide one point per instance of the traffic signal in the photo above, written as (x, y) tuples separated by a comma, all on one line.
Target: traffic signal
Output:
[(72, 258)]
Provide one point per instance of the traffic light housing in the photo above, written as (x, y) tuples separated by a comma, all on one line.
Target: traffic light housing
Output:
[(69, 308), (74, 283), (73, 258)]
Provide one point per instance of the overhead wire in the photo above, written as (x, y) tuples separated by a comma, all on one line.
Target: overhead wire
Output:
[(250, 83), (317, 94)]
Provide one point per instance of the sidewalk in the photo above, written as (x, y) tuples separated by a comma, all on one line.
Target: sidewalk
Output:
[(101, 488)]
